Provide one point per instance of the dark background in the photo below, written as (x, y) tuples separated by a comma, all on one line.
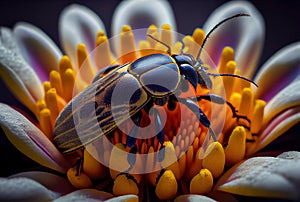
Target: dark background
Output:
[(282, 20)]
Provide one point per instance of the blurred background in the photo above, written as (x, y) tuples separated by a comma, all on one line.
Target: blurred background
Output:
[(282, 18)]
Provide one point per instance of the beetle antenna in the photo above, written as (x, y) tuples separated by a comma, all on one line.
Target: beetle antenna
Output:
[(161, 42), (214, 28), (232, 75)]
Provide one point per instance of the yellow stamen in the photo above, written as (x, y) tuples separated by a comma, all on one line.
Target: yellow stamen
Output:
[(229, 81), (150, 164), (153, 31), (236, 148), (258, 114), (91, 165), (78, 180), (170, 160), (144, 48), (198, 36), (235, 99), (46, 86), (68, 80), (196, 165), (103, 56), (45, 123), (214, 159), (182, 164), (87, 71), (100, 33), (118, 160), (55, 81), (127, 46), (189, 155), (124, 185), (240, 84), (190, 45), (166, 34), (226, 56), (64, 64), (40, 105), (51, 102), (246, 105), (167, 186), (202, 183), (176, 48)]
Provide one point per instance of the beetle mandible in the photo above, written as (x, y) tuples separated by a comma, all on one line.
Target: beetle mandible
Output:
[(158, 78)]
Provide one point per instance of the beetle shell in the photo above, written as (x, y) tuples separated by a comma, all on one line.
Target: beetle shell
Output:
[(158, 73), (92, 113)]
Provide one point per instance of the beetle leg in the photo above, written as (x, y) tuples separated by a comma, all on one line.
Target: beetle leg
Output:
[(219, 100), (131, 139), (159, 135), (78, 165), (199, 114), (189, 74), (184, 87), (131, 159), (172, 102)]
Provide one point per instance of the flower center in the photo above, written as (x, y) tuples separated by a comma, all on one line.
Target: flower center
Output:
[(191, 156)]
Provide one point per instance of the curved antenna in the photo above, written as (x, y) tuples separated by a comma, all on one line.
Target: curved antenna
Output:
[(161, 42), (233, 75), (214, 28)]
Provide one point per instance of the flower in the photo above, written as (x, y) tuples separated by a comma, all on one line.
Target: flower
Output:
[(193, 164)]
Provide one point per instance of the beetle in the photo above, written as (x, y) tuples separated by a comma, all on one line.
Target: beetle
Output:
[(156, 79)]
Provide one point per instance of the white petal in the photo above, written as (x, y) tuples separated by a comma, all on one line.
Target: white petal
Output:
[(265, 177), (244, 34), (24, 189), (286, 98), (78, 24), (278, 72), (193, 198), (89, 195), (37, 49), (51, 181), (139, 14), (277, 127), (28, 139), (127, 198), (16, 73)]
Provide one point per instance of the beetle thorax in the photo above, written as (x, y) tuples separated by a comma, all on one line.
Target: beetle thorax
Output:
[(157, 73)]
